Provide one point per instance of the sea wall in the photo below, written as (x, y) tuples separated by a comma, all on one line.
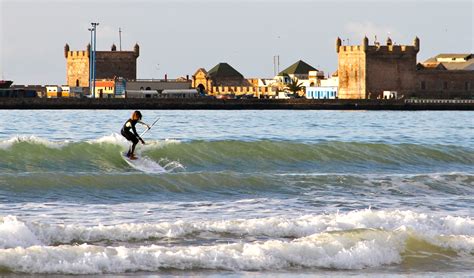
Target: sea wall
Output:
[(234, 104)]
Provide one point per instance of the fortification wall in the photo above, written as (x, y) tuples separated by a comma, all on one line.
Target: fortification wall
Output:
[(232, 104), (110, 64), (77, 68), (444, 83), (365, 71), (158, 85), (352, 72), (390, 69)]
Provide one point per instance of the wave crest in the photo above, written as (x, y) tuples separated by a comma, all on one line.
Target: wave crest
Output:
[(29, 154)]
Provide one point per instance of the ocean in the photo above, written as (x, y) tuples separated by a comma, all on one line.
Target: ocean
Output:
[(238, 193)]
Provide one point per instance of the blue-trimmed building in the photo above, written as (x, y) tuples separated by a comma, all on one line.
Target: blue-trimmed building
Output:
[(321, 92)]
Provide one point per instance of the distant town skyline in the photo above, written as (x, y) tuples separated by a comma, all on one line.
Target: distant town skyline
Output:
[(178, 37)]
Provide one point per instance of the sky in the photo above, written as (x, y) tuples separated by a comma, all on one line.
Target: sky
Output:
[(178, 37)]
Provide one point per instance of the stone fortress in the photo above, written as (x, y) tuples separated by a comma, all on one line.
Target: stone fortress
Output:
[(109, 65), (366, 71)]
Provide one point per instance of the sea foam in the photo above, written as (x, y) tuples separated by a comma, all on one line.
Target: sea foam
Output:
[(354, 240), (430, 226), (323, 250)]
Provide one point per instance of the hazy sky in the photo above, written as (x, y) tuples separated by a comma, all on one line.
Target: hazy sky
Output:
[(178, 37)]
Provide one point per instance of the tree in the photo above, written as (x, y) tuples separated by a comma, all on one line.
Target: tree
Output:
[(294, 87)]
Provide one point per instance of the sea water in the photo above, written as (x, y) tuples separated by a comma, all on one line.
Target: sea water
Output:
[(244, 193)]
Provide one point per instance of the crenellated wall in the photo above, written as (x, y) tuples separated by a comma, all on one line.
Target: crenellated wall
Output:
[(77, 68), (365, 71), (109, 64)]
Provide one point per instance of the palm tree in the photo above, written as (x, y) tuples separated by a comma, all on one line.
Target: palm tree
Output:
[(294, 87)]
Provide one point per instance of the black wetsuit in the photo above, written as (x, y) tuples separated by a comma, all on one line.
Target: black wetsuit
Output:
[(130, 125)]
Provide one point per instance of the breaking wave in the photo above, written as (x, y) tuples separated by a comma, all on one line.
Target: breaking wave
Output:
[(32, 154), (354, 240)]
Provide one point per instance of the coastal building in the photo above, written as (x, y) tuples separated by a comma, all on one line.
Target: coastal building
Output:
[(109, 65), (39, 89), (8, 91), (189, 93), (105, 88), (159, 84), (222, 79), (331, 81), (367, 71), (65, 91), (321, 92), (53, 91), (301, 72), (141, 94), (446, 76)]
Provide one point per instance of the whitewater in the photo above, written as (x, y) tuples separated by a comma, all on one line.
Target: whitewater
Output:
[(238, 193)]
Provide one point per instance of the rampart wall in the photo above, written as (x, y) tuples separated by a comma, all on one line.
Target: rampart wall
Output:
[(233, 104)]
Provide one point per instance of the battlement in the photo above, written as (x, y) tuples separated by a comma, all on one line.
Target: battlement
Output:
[(78, 53), (389, 48), (113, 52)]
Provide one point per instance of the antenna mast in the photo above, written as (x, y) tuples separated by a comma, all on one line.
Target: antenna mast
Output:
[(120, 39)]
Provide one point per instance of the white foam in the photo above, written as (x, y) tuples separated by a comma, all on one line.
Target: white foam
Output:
[(429, 226), (114, 138), (324, 250), (354, 240), (8, 143), (15, 233)]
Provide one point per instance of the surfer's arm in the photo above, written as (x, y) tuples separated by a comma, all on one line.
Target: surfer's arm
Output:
[(136, 134), (143, 123)]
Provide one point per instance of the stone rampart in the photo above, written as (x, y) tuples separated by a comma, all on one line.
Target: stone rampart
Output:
[(232, 104)]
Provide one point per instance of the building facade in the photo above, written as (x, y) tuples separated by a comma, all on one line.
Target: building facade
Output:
[(446, 76), (367, 71), (223, 79), (321, 92), (109, 65)]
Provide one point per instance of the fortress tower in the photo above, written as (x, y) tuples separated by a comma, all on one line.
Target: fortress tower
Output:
[(109, 65), (365, 71)]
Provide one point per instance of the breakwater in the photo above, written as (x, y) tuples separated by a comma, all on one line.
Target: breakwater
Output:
[(234, 104)]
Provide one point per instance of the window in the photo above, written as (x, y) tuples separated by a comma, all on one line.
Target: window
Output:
[(466, 86), (423, 85), (445, 85)]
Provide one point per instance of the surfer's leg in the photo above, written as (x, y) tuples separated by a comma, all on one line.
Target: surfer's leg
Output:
[(135, 142)]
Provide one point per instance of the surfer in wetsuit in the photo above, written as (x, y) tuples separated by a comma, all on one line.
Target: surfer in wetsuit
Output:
[(133, 137)]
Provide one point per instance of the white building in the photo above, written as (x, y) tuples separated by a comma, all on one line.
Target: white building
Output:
[(321, 92), (141, 94), (189, 93)]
